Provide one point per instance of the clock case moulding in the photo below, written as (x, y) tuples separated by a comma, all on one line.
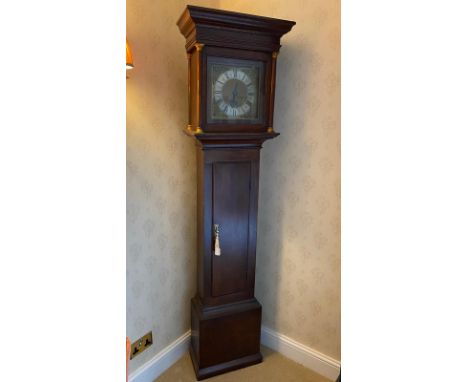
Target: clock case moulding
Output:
[(225, 315)]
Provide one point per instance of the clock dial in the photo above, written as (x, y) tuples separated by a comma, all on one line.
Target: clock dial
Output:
[(235, 91)]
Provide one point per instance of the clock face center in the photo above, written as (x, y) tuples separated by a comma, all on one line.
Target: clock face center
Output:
[(234, 93)]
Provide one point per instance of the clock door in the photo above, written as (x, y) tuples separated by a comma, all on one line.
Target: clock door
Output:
[(234, 197), (231, 200)]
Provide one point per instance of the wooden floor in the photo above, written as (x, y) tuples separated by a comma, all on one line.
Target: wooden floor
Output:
[(274, 368)]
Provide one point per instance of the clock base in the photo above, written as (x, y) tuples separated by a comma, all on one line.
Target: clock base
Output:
[(225, 337)]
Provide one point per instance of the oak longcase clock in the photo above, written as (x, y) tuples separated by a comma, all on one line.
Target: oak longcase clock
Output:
[(231, 77)]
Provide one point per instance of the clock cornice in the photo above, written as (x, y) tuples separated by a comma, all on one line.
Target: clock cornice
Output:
[(231, 29)]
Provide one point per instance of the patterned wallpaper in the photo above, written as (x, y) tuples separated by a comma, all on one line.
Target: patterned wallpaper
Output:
[(298, 253), (161, 178), (298, 250)]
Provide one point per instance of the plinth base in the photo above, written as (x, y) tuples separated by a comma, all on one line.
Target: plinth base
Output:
[(225, 338)]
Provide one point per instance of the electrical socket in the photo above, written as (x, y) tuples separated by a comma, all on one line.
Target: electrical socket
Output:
[(141, 344)]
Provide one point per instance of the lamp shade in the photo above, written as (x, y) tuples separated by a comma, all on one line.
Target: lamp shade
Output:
[(129, 57)]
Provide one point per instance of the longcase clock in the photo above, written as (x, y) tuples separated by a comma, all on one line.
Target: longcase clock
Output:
[(231, 76)]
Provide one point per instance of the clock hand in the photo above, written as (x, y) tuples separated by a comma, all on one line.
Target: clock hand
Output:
[(234, 94)]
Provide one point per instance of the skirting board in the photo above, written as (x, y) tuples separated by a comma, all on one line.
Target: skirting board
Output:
[(310, 358), (162, 361)]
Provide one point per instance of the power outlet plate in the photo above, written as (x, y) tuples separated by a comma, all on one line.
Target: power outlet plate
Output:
[(141, 344)]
